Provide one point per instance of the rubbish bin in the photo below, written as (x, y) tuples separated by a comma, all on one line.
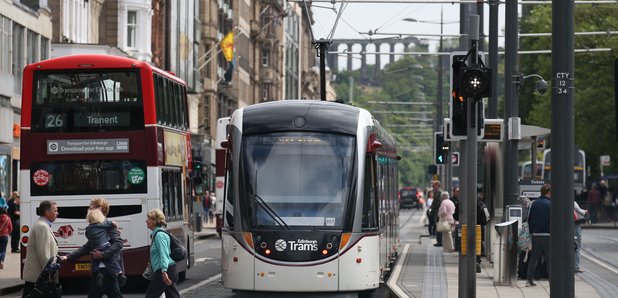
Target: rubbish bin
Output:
[(505, 250)]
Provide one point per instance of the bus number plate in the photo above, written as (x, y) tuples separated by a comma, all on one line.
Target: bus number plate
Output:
[(82, 267)]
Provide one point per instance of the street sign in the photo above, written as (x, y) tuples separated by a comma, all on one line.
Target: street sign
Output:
[(455, 159), (605, 160)]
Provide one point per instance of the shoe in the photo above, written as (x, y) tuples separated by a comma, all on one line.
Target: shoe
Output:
[(579, 270), (1, 265), (122, 280), (530, 284), (478, 268), (15, 251), (100, 279), (437, 245)]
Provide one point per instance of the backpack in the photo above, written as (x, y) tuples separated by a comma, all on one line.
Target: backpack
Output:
[(177, 251)]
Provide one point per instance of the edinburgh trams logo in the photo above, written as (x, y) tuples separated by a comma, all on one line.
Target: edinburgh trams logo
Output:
[(280, 245), (298, 245)]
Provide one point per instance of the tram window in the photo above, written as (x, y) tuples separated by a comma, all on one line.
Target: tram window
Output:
[(370, 213)]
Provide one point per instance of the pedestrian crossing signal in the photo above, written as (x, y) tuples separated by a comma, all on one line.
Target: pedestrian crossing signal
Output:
[(440, 149)]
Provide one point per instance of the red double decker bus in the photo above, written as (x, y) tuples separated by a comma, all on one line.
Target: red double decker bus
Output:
[(111, 127)]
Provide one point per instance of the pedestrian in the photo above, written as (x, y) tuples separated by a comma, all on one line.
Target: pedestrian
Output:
[(538, 223), (213, 205), (42, 245), (5, 230), (445, 214), (103, 280), (594, 202), (455, 199), (206, 206), (433, 211), (14, 214), (579, 215), (98, 234), (482, 219), (3, 203), (164, 272)]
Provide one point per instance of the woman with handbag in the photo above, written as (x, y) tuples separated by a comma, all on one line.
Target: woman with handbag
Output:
[(445, 225), (164, 275)]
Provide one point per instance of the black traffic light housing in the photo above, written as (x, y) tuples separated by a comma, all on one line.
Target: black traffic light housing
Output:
[(467, 82), (441, 149), (475, 82)]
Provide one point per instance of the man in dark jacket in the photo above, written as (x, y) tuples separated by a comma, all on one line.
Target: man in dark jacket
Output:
[(539, 226)]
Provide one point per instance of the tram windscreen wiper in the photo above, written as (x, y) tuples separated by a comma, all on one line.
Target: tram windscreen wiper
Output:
[(270, 211)]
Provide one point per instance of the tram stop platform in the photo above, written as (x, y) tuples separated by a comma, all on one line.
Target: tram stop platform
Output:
[(423, 270)]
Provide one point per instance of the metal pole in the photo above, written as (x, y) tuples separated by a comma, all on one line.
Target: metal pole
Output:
[(471, 170), (439, 100), (463, 185), (561, 245), (322, 44), (464, 12), (510, 106), (492, 104)]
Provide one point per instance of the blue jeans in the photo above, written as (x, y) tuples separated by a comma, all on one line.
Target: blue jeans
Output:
[(578, 244), (4, 240)]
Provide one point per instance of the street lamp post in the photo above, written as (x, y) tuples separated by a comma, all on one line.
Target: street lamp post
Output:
[(446, 181)]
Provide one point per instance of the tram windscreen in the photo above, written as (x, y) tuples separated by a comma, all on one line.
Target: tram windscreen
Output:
[(304, 177)]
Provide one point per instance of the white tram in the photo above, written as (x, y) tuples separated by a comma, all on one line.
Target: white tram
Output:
[(310, 199)]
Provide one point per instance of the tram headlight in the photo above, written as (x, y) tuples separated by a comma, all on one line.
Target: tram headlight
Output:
[(267, 251), (329, 245), (324, 252)]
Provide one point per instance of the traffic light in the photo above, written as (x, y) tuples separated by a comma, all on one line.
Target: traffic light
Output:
[(467, 83), (440, 149), (197, 166), (475, 82), (458, 102)]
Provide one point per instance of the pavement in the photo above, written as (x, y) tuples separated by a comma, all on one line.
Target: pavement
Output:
[(423, 270), (10, 278)]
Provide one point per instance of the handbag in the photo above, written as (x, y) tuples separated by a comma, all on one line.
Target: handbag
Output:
[(524, 239), (147, 272), (443, 227)]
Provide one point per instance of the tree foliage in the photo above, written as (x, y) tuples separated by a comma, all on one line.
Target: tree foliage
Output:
[(594, 79), (411, 79)]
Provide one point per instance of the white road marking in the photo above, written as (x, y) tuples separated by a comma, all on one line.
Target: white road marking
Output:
[(197, 285), (392, 281)]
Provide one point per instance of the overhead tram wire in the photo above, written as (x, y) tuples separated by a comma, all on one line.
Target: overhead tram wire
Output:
[(450, 2), (579, 51)]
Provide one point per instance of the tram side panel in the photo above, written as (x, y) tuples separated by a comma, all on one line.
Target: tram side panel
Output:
[(359, 266), (237, 265)]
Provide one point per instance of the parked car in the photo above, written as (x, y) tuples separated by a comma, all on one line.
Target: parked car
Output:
[(409, 197)]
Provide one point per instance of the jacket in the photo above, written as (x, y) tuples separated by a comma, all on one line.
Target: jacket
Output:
[(42, 246), (539, 217), (114, 240), (445, 213), (6, 227), (160, 251)]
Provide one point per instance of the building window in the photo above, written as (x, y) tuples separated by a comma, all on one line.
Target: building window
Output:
[(44, 48), (5, 44), (18, 56), (131, 29), (32, 46), (266, 91), (265, 57)]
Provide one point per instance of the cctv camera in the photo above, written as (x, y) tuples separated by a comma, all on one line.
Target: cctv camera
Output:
[(540, 86)]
